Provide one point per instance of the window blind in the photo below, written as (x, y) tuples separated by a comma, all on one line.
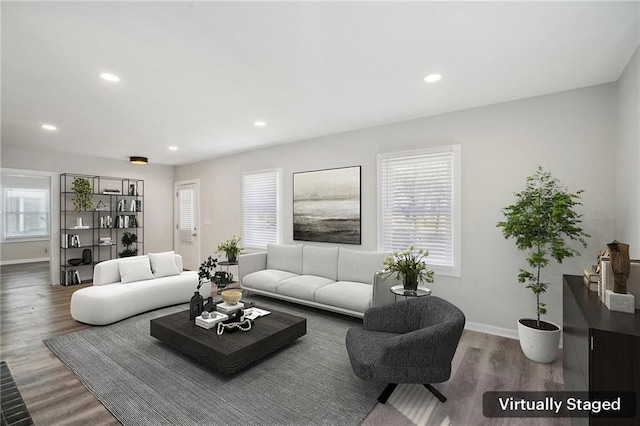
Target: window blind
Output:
[(26, 201), (261, 208), (418, 203), (185, 221)]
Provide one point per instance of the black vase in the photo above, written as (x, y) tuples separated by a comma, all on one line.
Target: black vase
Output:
[(195, 307), (87, 258)]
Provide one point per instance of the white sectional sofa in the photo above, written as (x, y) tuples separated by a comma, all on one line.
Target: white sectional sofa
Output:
[(133, 285), (332, 278)]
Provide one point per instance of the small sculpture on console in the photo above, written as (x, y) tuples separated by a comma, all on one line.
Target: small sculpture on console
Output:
[(620, 265)]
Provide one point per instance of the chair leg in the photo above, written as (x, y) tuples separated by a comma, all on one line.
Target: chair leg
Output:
[(435, 391), (386, 393)]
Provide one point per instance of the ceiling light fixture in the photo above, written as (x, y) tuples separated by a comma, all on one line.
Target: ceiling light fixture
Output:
[(50, 127), (173, 148), (432, 78), (259, 123), (110, 77), (138, 160)]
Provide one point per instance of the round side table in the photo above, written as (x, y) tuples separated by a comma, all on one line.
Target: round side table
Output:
[(398, 290)]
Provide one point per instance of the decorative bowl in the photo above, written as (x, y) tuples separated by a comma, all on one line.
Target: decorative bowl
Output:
[(231, 296), (74, 262)]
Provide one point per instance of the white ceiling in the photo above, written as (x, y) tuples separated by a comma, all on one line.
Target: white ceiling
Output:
[(198, 74)]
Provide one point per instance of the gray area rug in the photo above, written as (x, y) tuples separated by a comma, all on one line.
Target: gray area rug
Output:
[(142, 381)]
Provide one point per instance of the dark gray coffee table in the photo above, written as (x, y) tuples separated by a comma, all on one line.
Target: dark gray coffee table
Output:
[(229, 352)]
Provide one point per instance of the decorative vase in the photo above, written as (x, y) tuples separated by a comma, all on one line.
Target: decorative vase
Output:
[(195, 307), (410, 280), (232, 257), (87, 257)]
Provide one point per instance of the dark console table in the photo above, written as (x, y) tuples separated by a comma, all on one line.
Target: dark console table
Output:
[(601, 348)]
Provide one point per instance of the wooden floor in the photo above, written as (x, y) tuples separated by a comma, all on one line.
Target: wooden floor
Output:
[(32, 310)]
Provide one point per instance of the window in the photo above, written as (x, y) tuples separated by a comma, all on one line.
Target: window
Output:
[(261, 208), (26, 208), (419, 204)]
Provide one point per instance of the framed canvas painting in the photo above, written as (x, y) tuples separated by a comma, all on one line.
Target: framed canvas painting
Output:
[(326, 205)]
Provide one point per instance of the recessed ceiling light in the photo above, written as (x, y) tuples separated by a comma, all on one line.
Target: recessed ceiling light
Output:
[(49, 127), (173, 148), (259, 123), (109, 77), (432, 78)]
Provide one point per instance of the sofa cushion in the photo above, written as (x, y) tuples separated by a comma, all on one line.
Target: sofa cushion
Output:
[(359, 266), (163, 264), (320, 261), (134, 270), (285, 257), (302, 287), (265, 280), (354, 296)]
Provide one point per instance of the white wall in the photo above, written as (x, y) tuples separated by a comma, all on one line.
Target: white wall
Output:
[(158, 187), (570, 134), (628, 158)]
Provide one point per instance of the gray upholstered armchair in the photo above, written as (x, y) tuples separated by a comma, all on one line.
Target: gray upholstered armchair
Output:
[(411, 341)]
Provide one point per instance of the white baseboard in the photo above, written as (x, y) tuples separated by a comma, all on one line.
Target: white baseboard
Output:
[(496, 331), (18, 261), (490, 329)]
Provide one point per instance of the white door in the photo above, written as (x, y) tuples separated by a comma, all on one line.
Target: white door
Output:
[(187, 233)]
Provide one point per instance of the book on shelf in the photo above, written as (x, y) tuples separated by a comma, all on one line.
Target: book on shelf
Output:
[(591, 279)]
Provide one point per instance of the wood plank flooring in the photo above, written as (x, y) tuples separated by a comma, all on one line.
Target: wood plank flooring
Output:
[(32, 310)]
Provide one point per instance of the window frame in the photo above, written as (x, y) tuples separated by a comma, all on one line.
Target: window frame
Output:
[(456, 215), (6, 188)]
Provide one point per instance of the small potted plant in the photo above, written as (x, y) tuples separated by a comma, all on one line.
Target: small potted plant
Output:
[(83, 200), (128, 239), (410, 266), (231, 248), (541, 221), (196, 304)]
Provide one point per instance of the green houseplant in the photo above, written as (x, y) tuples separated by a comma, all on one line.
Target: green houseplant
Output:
[(83, 199), (128, 239), (542, 221), (410, 266), (231, 248)]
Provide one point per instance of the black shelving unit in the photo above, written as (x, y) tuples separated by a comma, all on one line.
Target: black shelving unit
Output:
[(118, 207)]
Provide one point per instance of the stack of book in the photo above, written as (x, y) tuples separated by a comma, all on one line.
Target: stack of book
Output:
[(226, 308), (591, 279), (210, 322)]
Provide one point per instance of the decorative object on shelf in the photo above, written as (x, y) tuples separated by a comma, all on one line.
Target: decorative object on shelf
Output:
[(101, 207), (79, 222), (541, 220), (326, 205), (128, 239), (74, 262), (222, 278), (195, 305), (231, 248), (410, 266), (133, 189), (231, 297), (616, 297), (83, 200), (111, 192), (210, 305), (87, 256), (105, 241)]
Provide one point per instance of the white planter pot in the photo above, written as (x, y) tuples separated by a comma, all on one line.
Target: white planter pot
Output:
[(539, 345)]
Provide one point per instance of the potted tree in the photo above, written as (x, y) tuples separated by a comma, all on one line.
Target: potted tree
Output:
[(542, 221), (128, 239)]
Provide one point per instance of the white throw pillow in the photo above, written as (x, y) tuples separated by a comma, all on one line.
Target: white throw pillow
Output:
[(134, 270), (163, 264)]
